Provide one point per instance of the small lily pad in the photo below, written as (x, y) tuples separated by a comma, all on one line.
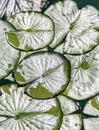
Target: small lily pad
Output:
[(34, 31), (92, 107), (68, 106), (46, 73)]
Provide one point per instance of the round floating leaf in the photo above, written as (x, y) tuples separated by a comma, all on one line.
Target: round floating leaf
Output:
[(71, 122), (9, 8), (92, 107), (19, 111), (91, 124), (34, 31), (48, 74), (84, 75), (77, 27), (67, 105), (8, 55)]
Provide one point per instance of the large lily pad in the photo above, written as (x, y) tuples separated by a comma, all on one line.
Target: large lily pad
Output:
[(8, 55), (76, 27), (92, 107), (9, 7), (47, 73), (91, 124), (84, 75), (19, 111), (34, 31)]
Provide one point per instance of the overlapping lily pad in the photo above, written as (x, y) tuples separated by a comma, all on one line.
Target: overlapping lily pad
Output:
[(19, 111), (46, 73), (8, 55), (34, 31), (70, 121), (92, 107), (76, 27), (68, 106), (9, 7), (84, 75)]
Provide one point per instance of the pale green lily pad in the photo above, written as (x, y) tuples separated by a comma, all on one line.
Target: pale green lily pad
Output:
[(84, 75), (71, 122), (8, 55), (68, 106), (34, 31), (48, 74), (91, 124), (92, 107), (76, 26), (19, 111)]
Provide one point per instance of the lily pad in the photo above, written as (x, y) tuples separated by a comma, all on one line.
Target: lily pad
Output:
[(46, 73), (19, 111), (71, 122), (68, 106), (8, 55), (34, 31), (84, 75), (23, 54), (92, 107), (91, 124), (9, 7), (76, 27)]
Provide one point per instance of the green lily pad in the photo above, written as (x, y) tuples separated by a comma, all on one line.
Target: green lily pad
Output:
[(46, 73), (19, 111), (71, 122), (92, 106), (34, 31), (76, 27), (91, 124), (8, 55), (68, 106), (84, 75)]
